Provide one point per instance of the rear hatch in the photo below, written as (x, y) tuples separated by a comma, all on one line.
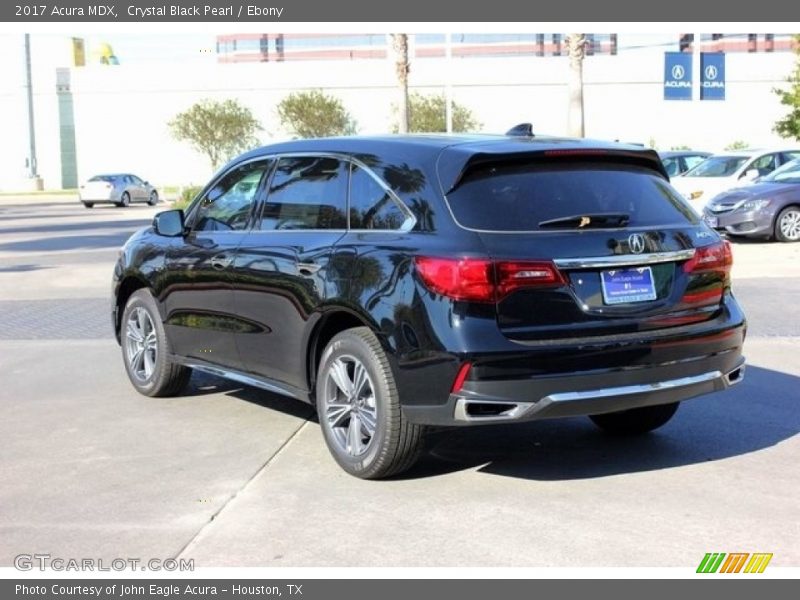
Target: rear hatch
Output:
[(589, 244)]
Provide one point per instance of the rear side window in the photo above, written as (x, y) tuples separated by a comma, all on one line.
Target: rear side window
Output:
[(527, 197), (307, 193), (790, 156), (371, 205)]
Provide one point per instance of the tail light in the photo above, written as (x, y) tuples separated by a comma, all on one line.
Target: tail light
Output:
[(481, 280), (716, 257), (514, 275), (709, 260)]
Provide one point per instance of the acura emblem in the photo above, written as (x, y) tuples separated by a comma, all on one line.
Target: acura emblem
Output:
[(636, 243)]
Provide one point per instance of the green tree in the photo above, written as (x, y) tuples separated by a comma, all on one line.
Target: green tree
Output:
[(220, 130), (314, 114), (789, 126), (427, 114), (737, 145)]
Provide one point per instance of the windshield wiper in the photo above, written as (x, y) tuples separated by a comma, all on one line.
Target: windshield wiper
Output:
[(587, 221)]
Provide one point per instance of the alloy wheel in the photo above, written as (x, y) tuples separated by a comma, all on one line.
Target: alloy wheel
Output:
[(790, 225), (141, 344), (350, 405)]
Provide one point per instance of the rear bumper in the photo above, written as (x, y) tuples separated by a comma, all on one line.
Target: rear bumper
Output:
[(504, 401), (581, 376), (100, 200)]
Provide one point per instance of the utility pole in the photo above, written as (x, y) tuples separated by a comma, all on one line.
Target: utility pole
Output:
[(33, 173)]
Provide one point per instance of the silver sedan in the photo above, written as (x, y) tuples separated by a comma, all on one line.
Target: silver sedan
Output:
[(117, 188), (768, 208)]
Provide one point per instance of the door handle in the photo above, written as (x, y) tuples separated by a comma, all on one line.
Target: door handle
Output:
[(221, 261), (307, 269)]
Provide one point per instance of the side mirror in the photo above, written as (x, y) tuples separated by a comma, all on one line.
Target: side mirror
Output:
[(750, 174), (169, 223)]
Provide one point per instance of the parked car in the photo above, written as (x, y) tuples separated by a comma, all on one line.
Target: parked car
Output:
[(770, 207), (677, 162), (403, 282), (117, 188), (722, 172)]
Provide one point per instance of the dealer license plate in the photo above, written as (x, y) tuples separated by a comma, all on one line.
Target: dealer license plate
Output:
[(621, 286)]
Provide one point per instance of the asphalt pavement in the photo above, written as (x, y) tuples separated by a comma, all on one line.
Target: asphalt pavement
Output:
[(233, 476)]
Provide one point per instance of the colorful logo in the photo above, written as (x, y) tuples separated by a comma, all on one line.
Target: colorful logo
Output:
[(735, 562)]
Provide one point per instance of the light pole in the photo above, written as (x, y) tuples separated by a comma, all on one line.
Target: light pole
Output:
[(33, 174)]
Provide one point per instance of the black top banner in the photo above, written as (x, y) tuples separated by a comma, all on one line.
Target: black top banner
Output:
[(709, 11)]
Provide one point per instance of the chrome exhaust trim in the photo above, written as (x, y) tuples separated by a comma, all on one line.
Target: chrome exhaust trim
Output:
[(488, 411), (735, 376)]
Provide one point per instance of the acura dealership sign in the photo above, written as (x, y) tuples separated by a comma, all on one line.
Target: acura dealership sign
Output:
[(678, 79), (677, 76), (712, 76)]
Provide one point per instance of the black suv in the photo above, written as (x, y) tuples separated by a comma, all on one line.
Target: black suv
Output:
[(403, 282)]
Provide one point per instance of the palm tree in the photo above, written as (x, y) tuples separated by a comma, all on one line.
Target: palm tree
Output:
[(400, 47), (576, 48)]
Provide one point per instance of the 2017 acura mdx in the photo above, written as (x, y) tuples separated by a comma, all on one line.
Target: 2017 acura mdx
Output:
[(408, 281)]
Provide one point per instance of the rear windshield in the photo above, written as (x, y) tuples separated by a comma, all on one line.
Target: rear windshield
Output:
[(527, 197), (110, 178), (717, 166)]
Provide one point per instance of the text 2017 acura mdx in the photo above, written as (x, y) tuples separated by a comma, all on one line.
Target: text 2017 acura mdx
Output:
[(409, 281)]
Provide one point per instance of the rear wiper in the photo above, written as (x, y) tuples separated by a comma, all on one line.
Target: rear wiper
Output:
[(588, 221)]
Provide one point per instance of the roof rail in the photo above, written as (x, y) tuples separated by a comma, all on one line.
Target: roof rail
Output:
[(521, 130)]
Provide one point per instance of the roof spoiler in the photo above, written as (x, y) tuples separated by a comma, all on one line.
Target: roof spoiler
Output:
[(453, 164), (521, 130)]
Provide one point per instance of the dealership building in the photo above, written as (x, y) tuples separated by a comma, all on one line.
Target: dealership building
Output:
[(95, 111)]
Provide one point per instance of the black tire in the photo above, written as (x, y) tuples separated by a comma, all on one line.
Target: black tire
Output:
[(637, 420), (153, 200), (395, 443), (787, 225), (124, 200), (165, 378), (88, 204)]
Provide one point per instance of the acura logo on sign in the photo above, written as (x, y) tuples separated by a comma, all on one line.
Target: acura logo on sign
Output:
[(711, 72), (678, 72), (636, 243)]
